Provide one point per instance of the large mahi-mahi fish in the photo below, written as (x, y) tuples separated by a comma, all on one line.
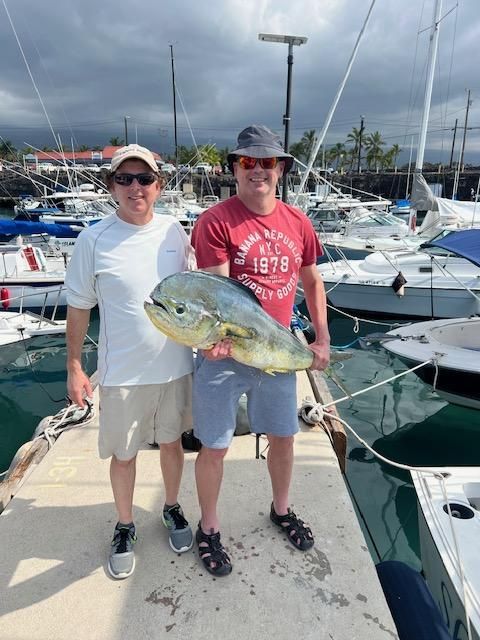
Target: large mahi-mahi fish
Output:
[(198, 309)]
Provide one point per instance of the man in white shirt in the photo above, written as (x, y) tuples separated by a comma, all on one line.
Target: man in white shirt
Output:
[(144, 378)]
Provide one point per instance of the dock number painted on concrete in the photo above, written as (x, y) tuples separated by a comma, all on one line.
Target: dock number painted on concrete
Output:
[(63, 469)]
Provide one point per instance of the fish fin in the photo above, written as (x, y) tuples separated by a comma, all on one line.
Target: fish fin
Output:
[(271, 372), (232, 282), (231, 330)]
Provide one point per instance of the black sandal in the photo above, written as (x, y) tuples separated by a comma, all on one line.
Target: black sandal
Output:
[(297, 531), (212, 553)]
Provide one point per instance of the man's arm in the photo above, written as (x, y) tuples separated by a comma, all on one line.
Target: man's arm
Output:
[(78, 383), (317, 307), (219, 269)]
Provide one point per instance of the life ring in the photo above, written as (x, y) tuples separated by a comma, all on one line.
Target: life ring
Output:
[(5, 297)]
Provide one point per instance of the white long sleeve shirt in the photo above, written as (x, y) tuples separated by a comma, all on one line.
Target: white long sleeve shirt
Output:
[(117, 265)]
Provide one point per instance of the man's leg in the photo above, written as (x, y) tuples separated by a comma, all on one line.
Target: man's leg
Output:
[(171, 462), (121, 562), (209, 475), (280, 466), (122, 478)]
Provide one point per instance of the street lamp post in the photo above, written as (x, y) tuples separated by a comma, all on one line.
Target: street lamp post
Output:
[(126, 128), (291, 41)]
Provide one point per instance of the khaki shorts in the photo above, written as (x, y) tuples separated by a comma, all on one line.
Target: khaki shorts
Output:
[(134, 415)]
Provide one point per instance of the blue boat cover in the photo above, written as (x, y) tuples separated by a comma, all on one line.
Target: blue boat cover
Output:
[(24, 227), (463, 243), (414, 611)]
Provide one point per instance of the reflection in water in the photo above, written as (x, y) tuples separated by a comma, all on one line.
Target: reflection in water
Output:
[(33, 385), (404, 421)]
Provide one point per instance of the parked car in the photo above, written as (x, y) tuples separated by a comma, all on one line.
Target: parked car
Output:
[(209, 201), (46, 167), (168, 167), (203, 167)]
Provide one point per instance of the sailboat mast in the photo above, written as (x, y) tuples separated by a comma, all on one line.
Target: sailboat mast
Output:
[(174, 114), (432, 57)]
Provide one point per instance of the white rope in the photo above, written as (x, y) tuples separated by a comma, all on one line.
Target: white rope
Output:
[(67, 418), (357, 320), (379, 384)]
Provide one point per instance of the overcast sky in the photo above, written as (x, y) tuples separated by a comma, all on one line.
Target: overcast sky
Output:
[(96, 61)]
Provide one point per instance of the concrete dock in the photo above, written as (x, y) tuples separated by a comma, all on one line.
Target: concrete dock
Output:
[(56, 534)]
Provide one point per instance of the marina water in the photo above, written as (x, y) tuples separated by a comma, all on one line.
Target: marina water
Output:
[(403, 420)]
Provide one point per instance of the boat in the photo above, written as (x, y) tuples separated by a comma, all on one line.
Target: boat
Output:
[(17, 327), (453, 345), (51, 238), (29, 279), (172, 203), (442, 280), (449, 521)]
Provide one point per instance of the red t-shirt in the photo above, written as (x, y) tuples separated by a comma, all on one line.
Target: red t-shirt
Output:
[(265, 252)]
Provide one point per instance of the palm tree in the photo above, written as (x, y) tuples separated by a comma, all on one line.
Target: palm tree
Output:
[(303, 148), (116, 141), (395, 151), (373, 144), (355, 137), (7, 150), (209, 153), (337, 154)]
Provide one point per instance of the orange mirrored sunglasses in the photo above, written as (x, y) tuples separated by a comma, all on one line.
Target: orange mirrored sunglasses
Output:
[(246, 162)]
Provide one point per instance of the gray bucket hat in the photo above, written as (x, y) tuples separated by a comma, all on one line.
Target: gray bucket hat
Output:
[(257, 141)]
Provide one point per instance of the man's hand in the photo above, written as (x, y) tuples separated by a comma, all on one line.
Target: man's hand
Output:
[(321, 351), (219, 351), (79, 387)]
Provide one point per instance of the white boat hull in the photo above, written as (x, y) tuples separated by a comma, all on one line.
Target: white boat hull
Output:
[(421, 302), (439, 558), (455, 346), (16, 327), (442, 286)]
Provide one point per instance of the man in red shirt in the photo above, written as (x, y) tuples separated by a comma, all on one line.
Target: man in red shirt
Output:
[(266, 245)]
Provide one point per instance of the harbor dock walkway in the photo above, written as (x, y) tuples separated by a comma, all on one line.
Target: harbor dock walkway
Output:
[(56, 533)]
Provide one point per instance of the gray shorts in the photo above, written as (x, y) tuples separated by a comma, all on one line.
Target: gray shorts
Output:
[(217, 387), (150, 413)]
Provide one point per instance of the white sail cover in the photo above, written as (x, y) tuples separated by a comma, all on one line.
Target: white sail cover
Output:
[(442, 211)]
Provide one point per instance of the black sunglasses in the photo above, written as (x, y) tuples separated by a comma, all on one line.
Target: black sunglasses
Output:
[(126, 179)]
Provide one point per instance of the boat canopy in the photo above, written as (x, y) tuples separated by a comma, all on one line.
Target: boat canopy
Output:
[(24, 227), (465, 244)]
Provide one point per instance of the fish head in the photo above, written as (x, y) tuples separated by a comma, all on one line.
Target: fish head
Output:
[(182, 313)]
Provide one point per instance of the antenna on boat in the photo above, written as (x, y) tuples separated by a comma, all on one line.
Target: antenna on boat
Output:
[(174, 115)]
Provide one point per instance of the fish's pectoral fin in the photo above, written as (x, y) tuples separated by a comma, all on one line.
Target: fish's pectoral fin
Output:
[(271, 372), (231, 330)]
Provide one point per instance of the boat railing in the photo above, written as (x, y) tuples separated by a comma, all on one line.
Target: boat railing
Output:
[(45, 292)]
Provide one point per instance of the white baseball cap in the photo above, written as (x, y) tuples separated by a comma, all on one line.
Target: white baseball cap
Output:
[(133, 151)]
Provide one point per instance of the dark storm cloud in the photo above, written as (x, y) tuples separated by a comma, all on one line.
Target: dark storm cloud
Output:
[(96, 62)]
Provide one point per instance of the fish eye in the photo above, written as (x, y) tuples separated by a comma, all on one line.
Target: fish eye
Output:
[(180, 309)]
